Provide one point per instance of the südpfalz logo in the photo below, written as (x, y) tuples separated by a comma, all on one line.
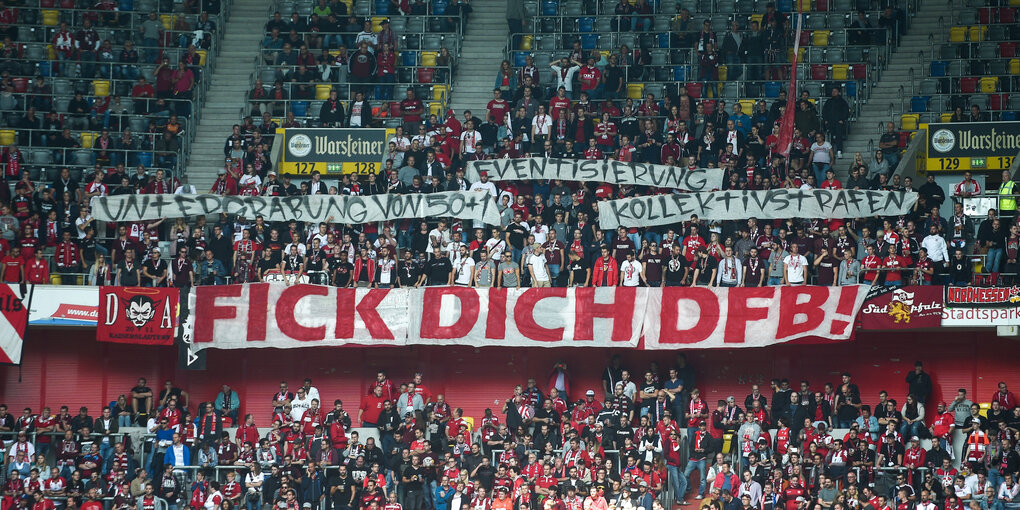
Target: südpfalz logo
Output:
[(137, 315), (902, 307), (982, 297), (299, 145)]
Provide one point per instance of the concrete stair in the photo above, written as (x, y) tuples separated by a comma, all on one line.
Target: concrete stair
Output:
[(231, 82), (482, 51), (884, 104)]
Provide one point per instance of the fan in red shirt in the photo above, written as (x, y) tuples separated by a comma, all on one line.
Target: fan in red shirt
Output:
[(371, 407), (590, 77), (830, 181), (593, 152), (497, 108), (38, 270), (793, 492), (411, 109), (311, 418), (692, 243), (894, 262), (560, 104), (871, 261), (232, 488), (13, 266)]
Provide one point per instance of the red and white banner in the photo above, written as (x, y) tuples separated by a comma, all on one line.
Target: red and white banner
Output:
[(709, 317), (918, 306), (276, 315), (13, 324), (282, 316), (137, 315)]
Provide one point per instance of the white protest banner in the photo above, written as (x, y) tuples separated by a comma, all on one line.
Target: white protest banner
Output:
[(764, 205), (707, 317), (312, 208), (259, 315), (277, 315), (615, 172)]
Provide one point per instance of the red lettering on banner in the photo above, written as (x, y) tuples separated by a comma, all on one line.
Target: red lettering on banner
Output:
[(344, 313), (373, 321), (432, 305), (495, 315), (739, 312), (366, 308), (524, 313), (205, 300), (285, 319), (845, 306), (621, 311), (708, 316), (789, 309), (258, 306)]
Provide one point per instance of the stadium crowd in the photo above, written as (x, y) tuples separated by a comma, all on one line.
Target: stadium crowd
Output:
[(646, 442)]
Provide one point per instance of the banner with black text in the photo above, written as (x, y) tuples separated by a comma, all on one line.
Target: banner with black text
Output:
[(311, 208), (764, 205), (614, 172)]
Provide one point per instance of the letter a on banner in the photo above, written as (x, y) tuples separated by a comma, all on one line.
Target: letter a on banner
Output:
[(14, 325)]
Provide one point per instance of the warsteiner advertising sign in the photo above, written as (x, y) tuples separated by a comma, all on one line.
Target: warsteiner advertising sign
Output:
[(332, 151), (972, 145)]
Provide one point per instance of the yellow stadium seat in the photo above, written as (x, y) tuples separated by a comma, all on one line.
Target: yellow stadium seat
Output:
[(55, 279), (202, 54), (51, 17), (989, 84), (746, 106), (984, 407), (635, 90), (377, 23), (800, 54), (526, 42), (439, 92), (86, 139), (51, 53), (957, 34), (840, 71), (334, 53), (101, 88), (470, 422), (758, 18), (167, 20), (820, 38), (605, 53), (349, 4), (1014, 3), (1014, 66), (947, 117), (978, 32), (428, 58), (322, 91), (727, 445), (908, 122), (805, 5), (435, 108), (6, 137), (724, 72)]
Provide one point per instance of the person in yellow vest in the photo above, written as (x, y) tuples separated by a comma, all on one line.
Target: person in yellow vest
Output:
[(1007, 193)]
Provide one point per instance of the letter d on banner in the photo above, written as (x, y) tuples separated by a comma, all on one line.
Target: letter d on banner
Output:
[(112, 308)]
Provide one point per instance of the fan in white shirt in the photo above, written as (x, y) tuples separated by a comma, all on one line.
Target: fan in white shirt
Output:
[(630, 272)]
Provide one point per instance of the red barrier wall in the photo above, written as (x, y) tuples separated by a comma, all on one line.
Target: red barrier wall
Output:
[(70, 367)]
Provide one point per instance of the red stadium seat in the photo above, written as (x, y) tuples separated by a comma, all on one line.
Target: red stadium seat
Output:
[(1007, 15), (395, 109), (1007, 49), (694, 90), (805, 38), (819, 71), (986, 15), (822, 5), (998, 102), (20, 85), (968, 85), (860, 71), (46, 4), (709, 105), (425, 74)]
